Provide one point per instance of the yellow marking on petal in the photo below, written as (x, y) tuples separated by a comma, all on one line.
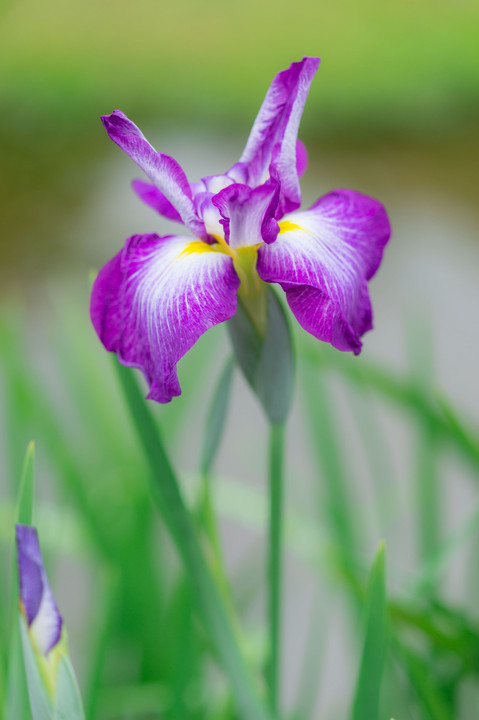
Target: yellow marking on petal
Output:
[(287, 226), (195, 247)]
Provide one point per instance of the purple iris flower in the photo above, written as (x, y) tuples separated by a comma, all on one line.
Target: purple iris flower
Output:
[(37, 603), (153, 300)]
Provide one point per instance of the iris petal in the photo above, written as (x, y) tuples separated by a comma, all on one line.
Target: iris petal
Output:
[(154, 299), (163, 171), (248, 213), (271, 146), (323, 258)]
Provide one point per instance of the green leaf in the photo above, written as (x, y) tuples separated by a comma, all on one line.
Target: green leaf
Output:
[(366, 701), (216, 419), (266, 362), (166, 493), (27, 488), (336, 502), (40, 702), (426, 481), (68, 704)]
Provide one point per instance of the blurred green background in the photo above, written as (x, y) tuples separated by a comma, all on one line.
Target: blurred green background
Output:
[(401, 78), (393, 112)]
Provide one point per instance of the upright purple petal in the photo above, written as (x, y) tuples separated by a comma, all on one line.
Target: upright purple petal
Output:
[(323, 259), (43, 618), (163, 171), (271, 146), (153, 300), (248, 213)]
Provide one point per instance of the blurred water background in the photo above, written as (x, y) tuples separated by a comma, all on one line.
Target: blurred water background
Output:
[(393, 112)]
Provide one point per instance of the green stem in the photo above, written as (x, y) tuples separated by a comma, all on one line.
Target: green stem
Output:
[(276, 443), (166, 493)]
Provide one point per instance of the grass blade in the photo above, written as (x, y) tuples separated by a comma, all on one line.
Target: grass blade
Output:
[(366, 701)]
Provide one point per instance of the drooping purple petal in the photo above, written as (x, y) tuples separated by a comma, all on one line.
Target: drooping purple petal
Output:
[(248, 213), (271, 146), (163, 171), (153, 300), (43, 617), (151, 196), (323, 259)]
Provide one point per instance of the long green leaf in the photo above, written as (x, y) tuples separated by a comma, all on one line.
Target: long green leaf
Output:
[(27, 488), (216, 419), (326, 442), (366, 700), (167, 495), (426, 482)]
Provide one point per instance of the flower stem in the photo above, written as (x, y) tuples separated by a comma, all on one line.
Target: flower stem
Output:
[(276, 450)]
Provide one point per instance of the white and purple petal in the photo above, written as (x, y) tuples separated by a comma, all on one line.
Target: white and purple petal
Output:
[(41, 611), (323, 258), (248, 214), (163, 171), (272, 144), (153, 300)]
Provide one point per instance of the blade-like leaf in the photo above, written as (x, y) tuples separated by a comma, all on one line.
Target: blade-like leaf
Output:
[(366, 701), (216, 419), (68, 704), (336, 502), (426, 482), (166, 493), (40, 702), (27, 487), (267, 363)]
